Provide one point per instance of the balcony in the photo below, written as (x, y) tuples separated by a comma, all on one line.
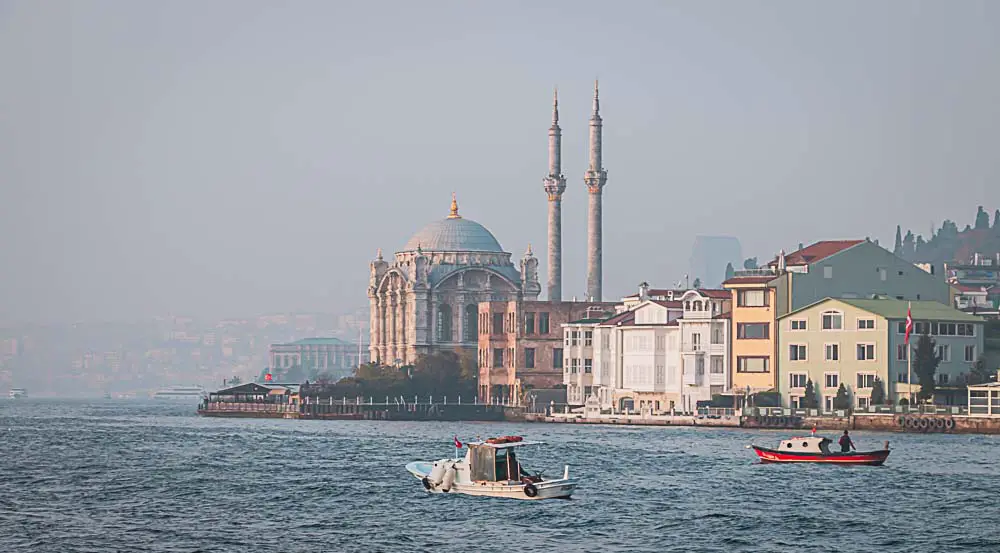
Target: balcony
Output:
[(693, 347)]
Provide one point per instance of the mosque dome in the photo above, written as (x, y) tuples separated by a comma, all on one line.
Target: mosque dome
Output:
[(454, 234)]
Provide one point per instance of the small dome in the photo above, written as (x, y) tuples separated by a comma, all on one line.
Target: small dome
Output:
[(453, 234)]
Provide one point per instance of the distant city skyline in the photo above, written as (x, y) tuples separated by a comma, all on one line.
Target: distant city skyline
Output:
[(249, 157)]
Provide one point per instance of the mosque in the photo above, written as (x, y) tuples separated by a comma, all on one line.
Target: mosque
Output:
[(427, 297)]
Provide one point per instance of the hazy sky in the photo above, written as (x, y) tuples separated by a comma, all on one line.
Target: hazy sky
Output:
[(231, 157)]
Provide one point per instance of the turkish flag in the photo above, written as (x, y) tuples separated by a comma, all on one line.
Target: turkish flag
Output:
[(458, 444), (267, 377), (909, 326)]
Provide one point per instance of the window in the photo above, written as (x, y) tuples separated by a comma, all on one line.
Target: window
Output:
[(828, 403), (497, 357), (863, 402), (833, 320), (866, 380), (753, 331), (717, 334), (832, 352), (497, 323), (828, 272), (716, 367), (529, 358), (529, 323), (588, 366), (588, 337), (797, 352), (942, 378), (574, 338), (866, 352), (970, 354), (797, 380), (543, 323), (866, 324), (902, 378), (752, 364), (901, 351), (966, 330), (831, 380), (557, 358), (751, 298), (901, 327), (944, 352), (882, 274), (574, 365), (799, 324)]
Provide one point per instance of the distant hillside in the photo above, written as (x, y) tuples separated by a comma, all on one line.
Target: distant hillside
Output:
[(949, 244)]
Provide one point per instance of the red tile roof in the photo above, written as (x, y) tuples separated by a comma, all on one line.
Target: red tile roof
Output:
[(717, 294), (816, 252), (669, 304), (967, 288), (620, 319)]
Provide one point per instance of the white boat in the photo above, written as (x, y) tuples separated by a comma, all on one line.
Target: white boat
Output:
[(491, 468), (180, 392), (17, 392)]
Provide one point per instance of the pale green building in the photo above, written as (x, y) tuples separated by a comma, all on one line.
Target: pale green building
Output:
[(855, 341)]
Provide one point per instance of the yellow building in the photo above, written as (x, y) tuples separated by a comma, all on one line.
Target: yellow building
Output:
[(754, 312)]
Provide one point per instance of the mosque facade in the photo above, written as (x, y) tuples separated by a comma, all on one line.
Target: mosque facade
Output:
[(426, 298)]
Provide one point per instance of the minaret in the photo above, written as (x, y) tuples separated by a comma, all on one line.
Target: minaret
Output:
[(595, 178), (555, 185)]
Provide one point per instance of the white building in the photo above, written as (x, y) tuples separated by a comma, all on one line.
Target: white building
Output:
[(659, 355)]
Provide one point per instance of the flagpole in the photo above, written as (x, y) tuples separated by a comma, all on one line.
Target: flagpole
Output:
[(909, 360)]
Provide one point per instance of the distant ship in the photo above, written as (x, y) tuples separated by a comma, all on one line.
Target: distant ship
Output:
[(180, 392), (17, 392)]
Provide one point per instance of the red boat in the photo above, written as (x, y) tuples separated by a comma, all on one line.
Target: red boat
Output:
[(815, 449)]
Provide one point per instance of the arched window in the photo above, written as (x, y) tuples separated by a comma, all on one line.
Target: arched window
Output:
[(444, 323), (687, 306), (471, 328), (697, 305)]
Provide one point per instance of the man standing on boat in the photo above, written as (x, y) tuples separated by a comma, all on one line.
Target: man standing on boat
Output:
[(846, 445)]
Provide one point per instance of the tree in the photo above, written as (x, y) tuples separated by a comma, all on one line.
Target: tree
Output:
[(996, 220), (697, 283), (810, 400), (730, 271), (909, 245), (750, 263), (878, 392), (925, 363), (897, 248), (982, 219), (978, 373), (842, 400)]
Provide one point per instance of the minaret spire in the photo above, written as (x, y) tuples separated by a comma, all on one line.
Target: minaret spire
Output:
[(595, 179), (554, 185)]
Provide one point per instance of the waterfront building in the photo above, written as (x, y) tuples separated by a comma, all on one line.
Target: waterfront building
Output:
[(520, 345), (661, 355), (854, 341), (428, 299), (835, 268), (314, 356)]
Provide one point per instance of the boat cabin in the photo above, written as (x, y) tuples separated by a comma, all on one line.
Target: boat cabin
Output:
[(496, 462), (810, 444)]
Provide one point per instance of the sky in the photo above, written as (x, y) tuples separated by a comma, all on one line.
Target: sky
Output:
[(226, 158)]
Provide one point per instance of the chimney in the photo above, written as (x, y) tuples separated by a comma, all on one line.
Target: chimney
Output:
[(643, 291)]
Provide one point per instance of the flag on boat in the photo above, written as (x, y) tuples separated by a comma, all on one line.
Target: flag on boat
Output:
[(267, 377), (458, 444), (909, 326)]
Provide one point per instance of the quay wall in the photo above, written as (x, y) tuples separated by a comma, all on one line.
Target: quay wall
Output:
[(882, 422)]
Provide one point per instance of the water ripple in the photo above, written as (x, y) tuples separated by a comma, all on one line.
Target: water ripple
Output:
[(131, 476)]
